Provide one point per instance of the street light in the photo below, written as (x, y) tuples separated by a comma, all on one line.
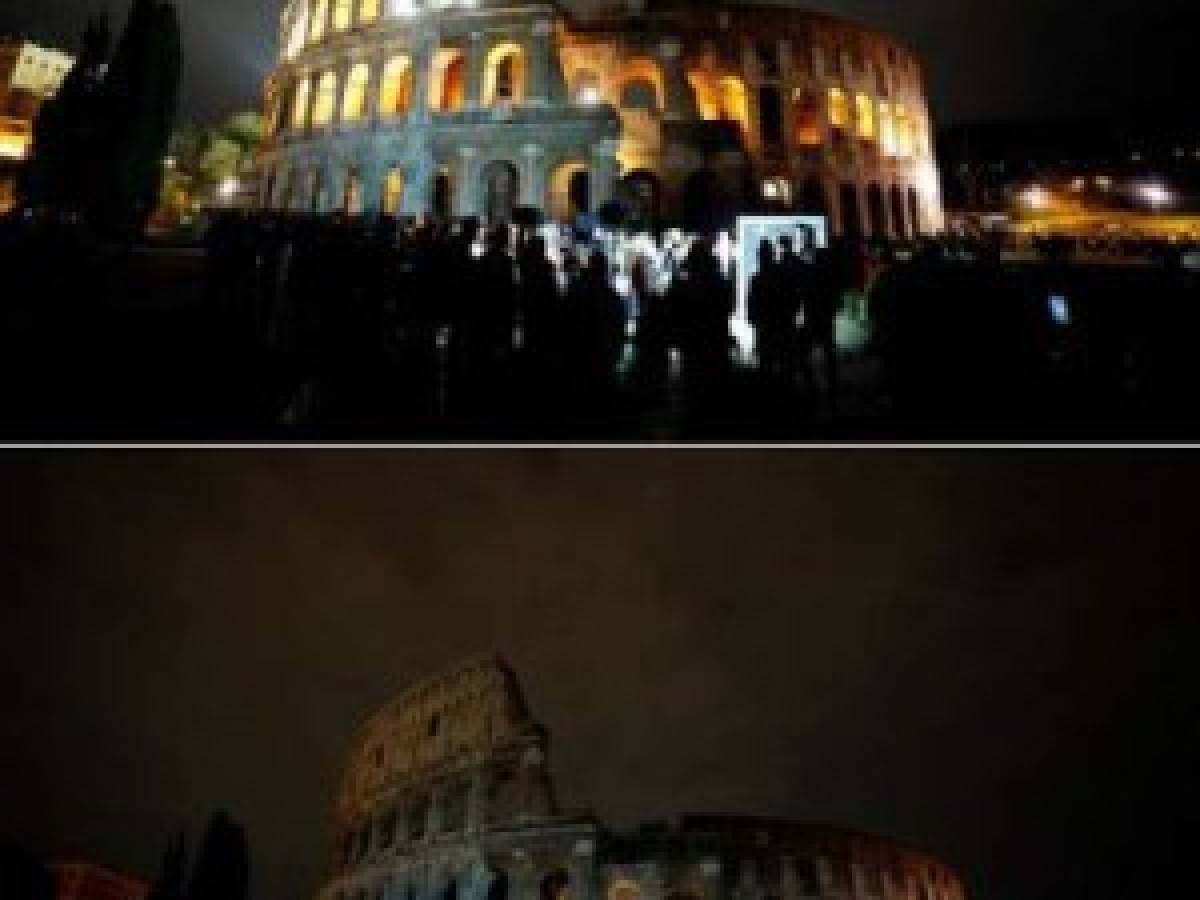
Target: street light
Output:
[(1155, 195)]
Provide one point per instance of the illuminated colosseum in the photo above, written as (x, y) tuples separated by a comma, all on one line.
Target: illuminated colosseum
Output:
[(448, 797), (682, 113)]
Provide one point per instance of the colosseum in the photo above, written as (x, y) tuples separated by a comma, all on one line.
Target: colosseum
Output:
[(668, 111), (448, 796)]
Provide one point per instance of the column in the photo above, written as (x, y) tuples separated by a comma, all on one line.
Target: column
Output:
[(373, 83), (467, 189), (477, 812), (422, 63), (418, 184), (680, 100), (533, 176), (606, 171), (475, 64), (372, 176), (539, 51)]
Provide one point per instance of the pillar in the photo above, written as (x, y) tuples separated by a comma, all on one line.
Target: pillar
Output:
[(539, 52), (533, 176), (374, 81), (680, 100), (422, 63), (605, 171), (468, 182), (418, 186), (475, 64)]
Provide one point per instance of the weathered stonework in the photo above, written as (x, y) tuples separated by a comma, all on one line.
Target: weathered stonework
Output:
[(675, 110), (447, 796)]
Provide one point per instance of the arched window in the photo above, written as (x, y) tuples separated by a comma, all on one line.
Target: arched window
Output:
[(839, 109), (352, 205), (448, 87), (393, 192), (343, 14), (297, 32), (877, 211), (639, 94), (504, 75), (586, 91), (320, 12), (807, 130), (368, 11), (734, 101), (300, 104), (865, 115), (887, 130), (354, 99), (395, 87), (325, 101), (770, 115)]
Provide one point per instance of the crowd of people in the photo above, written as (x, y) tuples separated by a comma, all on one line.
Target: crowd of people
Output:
[(399, 329)]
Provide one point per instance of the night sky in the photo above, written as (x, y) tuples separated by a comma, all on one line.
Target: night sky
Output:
[(986, 58), (985, 654)]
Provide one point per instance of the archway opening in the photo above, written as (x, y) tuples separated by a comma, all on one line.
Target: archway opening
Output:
[(395, 87), (896, 201), (442, 201), (300, 104), (449, 82), (570, 191), (641, 86), (326, 100), (498, 889), (877, 211), (393, 192), (770, 115), (504, 75), (501, 182), (852, 224), (812, 197), (554, 885), (354, 99), (914, 213)]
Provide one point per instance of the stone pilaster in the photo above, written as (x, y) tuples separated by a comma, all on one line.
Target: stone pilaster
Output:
[(476, 52), (539, 51), (422, 63), (605, 172), (533, 176), (467, 188)]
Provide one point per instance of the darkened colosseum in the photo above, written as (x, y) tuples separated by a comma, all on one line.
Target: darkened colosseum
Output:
[(448, 797), (668, 112)]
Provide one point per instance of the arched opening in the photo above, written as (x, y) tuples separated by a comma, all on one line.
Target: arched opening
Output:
[(877, 211), (343, 14), (451, 891), (368, 11), (442, 201), (297, 32), (896, 202), (813, 200), (352, 193), (705, 203), (639, 94), (300, 104), (914, 213), (395, 87), (734, 102), (570, 192), (770, 115), (839, 110), (320, 12), (806, 129), (354, 98), (852, 225), (501, 182), (586, 89), (449, 83), (393, 192), (641, 86), (504, 75), (641, 194), (326, 100)]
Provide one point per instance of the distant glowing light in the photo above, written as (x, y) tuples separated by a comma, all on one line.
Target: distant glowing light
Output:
[(1155, 195), (1035, 197), (228, 189)]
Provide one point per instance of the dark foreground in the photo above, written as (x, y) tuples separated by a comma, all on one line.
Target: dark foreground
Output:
[(343, 337)]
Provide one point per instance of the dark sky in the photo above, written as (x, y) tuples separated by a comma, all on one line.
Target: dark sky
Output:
[(986, 58), (987, 654)]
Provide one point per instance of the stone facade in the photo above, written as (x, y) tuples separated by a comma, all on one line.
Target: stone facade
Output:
[(680, 112), (447, 796)]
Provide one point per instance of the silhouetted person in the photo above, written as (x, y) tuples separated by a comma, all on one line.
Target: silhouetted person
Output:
[(767, 309)]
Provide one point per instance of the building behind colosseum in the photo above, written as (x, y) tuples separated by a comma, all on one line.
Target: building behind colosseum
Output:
[(448, 796), (680, 112)]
